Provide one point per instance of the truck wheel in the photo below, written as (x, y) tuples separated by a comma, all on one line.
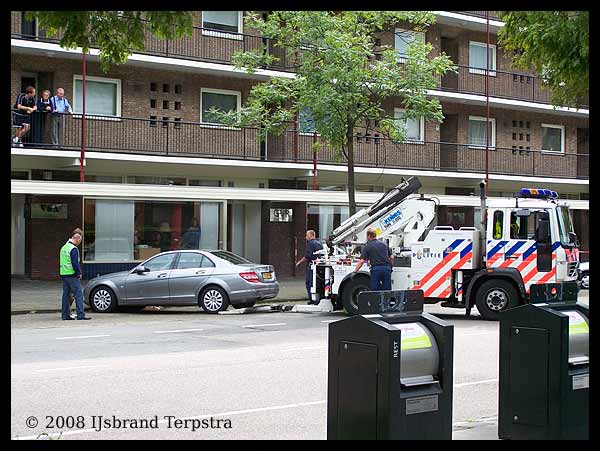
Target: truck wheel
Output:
[(351, 291), (495, 296)]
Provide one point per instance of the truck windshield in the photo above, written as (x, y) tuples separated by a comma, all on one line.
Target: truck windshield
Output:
[(565, 226)]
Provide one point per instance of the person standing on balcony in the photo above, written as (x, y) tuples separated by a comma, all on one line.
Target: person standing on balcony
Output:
[(40, 118), (60, 107), (24, 108)]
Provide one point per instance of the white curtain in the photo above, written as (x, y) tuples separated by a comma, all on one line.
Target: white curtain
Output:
[(114, 230), (227, 18), (100, 97), (478, 59), (405, 37), (412, 126), (209, 225), (477, 133), (325, 220)]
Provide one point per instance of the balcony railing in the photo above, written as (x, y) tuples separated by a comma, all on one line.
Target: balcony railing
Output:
[(212, 46), (204, 44), (158, 137), (494, 15)]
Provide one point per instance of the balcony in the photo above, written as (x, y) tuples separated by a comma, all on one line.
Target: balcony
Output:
[(219, 47), (189, 139), (203, 45), (493, 14)]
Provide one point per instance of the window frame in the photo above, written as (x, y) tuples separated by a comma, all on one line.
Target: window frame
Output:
[(421, 128), (562, 139), (119, 99), (492, 134), (173, 261), (399, 30), (238, 94), (493, 67), (181, 254), (225, 34)]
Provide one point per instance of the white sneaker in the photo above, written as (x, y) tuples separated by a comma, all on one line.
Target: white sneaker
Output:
[(15, 140), (73, 315), (21, 144)]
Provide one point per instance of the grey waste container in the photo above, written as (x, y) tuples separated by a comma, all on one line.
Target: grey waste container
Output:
[(544, 368), (390, 371)]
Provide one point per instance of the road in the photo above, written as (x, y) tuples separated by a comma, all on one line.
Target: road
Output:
[(264, 372)]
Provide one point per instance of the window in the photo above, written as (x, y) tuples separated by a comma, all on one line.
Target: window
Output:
[(198, 182), (306, 121), (478, 59), (136, 230), (553, 138), (165, 87), (414, 127), (153, 87), (402, 39), (160, 263), (152, 103), (498, 225), (177, 106), (230, 257), (220, 100), (178, 89), (478, 130), (214, 22), (165, 104), (103, 96), (189, 260), (324, 219)]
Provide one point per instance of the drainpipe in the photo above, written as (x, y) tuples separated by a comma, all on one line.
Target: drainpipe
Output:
[(314, 161), (487, 102), (82, 156)]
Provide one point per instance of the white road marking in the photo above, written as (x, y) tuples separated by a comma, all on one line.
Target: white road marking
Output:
[(266, 325), (465, 384), (81, 336), (176, 330), (305, 349), (477, 333), (73, 367)]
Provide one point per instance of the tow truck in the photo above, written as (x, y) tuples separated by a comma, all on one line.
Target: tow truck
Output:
[(520, 241)]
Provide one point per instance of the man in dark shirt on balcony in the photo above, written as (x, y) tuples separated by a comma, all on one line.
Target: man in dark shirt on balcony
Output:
[(312, 245)]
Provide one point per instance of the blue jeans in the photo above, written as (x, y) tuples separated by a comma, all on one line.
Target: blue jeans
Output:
[(308, 283), (381, 278), (73, 285)]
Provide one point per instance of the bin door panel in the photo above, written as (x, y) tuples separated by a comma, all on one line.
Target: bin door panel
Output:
[(529, 376), (357, 391)]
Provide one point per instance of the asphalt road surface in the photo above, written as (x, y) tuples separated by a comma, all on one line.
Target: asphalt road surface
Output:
[(253, 376)]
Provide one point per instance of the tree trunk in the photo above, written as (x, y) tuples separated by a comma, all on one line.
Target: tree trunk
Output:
[(351, 200)]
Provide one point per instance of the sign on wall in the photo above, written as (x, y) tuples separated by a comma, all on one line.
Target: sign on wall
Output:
[(281, 214), (48, 211)]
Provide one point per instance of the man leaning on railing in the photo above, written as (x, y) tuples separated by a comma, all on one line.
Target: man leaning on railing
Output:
[(60, 107)]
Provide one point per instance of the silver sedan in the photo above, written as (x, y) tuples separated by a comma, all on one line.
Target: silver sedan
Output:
[(210, 279)]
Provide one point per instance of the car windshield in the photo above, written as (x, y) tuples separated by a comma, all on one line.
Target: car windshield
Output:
[(565, 226), (230, 257)]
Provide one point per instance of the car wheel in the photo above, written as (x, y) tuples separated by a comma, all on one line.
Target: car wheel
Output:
[(213, 300), (351, 291), (244, 305), (495, 296), (585, 279), (103, 300)]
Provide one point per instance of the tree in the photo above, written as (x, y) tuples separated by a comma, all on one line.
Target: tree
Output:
[(117, 34), (556, 45), (339, 78)]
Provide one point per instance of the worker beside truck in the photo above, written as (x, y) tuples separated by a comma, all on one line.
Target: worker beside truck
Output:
[(380, 259)]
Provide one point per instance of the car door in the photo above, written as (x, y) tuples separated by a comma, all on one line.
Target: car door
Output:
[(191, 272), (152, 287)]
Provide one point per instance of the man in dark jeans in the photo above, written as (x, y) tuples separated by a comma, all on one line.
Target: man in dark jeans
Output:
[(381, 260), (312, 245), (70, 273)]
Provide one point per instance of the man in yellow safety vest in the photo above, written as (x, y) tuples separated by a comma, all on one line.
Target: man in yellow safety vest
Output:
[(70, 273)]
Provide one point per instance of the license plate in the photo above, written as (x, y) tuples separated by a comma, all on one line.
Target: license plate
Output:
[(267, 275)]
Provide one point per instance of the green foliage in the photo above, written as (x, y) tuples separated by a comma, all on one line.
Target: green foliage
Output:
[(338, 78), (117, 34), (555, 44)]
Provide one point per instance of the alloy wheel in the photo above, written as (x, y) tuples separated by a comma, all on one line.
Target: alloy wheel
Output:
[(213, 300), (102, 299)]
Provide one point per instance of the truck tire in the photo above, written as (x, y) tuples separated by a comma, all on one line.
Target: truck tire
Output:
[(351, 291), (495, 296)]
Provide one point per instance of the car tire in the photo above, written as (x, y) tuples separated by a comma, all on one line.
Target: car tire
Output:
[(213, 299), (495, 296), (351, 291), (103, 300), (584, 274), (244, 305)]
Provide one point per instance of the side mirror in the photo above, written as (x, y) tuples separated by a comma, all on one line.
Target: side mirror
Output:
[(542, 232), (141, 269)]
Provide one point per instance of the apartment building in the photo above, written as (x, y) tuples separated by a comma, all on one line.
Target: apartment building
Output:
[(155, 160)]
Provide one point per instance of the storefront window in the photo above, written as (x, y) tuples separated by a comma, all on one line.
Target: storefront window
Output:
[(324, 219), (117, 230)]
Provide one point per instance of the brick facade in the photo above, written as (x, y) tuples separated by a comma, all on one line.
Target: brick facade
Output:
[(46, 236)]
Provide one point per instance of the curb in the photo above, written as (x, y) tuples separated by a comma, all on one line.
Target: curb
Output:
[(88, 309)]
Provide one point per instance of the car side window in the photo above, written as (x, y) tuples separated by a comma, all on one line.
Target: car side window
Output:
[(189, 260), (207, 263), (160, 263)]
